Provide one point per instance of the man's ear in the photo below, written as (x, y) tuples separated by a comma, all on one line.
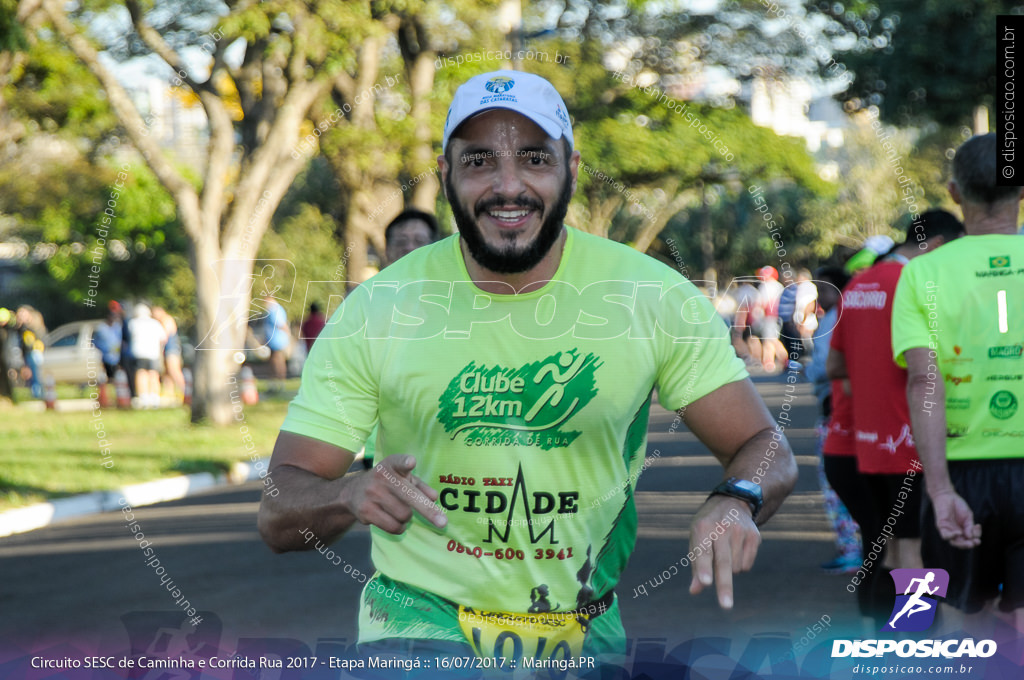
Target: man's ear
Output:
[(954, 192), (574, 168), (442, 174)]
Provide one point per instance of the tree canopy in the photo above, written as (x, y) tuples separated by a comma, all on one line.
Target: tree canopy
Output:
[(918, 62)]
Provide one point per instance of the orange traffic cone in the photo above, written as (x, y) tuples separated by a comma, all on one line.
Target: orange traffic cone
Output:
[(250, 395), (124, 394), (50, 392), (101, 390), (187, 399)]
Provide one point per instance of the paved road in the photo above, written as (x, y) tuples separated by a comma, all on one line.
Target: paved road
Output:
[(85, 583)]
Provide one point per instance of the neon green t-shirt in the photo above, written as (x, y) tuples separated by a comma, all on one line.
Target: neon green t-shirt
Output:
[(965, 301), (527, 413)]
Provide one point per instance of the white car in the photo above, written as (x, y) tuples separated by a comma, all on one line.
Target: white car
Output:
[(69, 354)]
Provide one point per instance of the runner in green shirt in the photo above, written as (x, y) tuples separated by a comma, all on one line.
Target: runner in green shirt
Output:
[(409, 230), (509, 370), (958, 327)]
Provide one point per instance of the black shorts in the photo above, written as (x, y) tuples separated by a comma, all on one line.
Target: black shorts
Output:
[(147, 365), (992, 488), (842, 475), (903, 515)]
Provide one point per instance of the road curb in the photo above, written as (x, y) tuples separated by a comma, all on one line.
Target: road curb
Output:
[(29, 518)]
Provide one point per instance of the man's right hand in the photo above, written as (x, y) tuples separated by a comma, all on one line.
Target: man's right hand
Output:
[(386, 496), (955, 520)]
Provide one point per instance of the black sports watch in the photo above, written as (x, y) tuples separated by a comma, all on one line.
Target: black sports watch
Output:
[(743, 490)]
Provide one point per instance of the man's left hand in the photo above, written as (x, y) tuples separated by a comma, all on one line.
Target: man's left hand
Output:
[(724, 541)]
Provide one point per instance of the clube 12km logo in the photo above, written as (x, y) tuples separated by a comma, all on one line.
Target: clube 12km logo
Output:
[(917, 600), (525, 406)]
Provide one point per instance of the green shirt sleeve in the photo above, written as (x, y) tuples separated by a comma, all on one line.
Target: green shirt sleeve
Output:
[(909, 315), (696, 355), (338, 397)]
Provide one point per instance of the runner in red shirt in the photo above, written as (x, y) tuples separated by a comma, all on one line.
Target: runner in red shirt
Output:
[(837, 466), (886, 457)]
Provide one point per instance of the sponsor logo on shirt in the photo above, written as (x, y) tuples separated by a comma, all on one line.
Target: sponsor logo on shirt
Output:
[(954, 431), (1003, 405), (993, 432), (1005, 352), (958, 404), (526, 406), (957, 350), (518, 506), (905, 437), (995, 272), (865, 299), (958, 380), (1004, 376)]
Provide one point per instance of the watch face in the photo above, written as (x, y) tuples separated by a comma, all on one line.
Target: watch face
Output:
[(749, 487)]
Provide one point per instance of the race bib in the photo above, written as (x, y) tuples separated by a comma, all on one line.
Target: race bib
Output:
[(552, 635)]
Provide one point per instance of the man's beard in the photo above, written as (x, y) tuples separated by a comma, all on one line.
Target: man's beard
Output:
[(509, 259)]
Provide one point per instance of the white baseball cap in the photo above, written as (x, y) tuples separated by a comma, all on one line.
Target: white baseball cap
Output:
[(878, 244), (524, 93)]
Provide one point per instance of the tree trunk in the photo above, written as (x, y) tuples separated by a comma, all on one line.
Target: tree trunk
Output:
[(602, 210), (355, 237), (650, 228), (223, 294), (421, 83)]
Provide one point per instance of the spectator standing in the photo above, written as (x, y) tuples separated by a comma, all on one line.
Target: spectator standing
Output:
[(278, 340), (147, 341), (173, 378), (31, 329), (312, 326), (127, 358), (6, 386), (107, 338)]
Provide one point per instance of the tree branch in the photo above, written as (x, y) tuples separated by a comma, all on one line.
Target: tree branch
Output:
[(152, 38), (137, 130), (273, 154), (219, 157), (345, 85), (652, 227), (369, 66)]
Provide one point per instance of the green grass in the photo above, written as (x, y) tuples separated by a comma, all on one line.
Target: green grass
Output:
[(64, 391), (49, 455)]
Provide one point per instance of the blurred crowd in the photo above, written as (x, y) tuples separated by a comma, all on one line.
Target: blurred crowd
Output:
[(140, 340)]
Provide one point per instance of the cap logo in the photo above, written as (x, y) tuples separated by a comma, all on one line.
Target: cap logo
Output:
[(499, 84), (562, 117)]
